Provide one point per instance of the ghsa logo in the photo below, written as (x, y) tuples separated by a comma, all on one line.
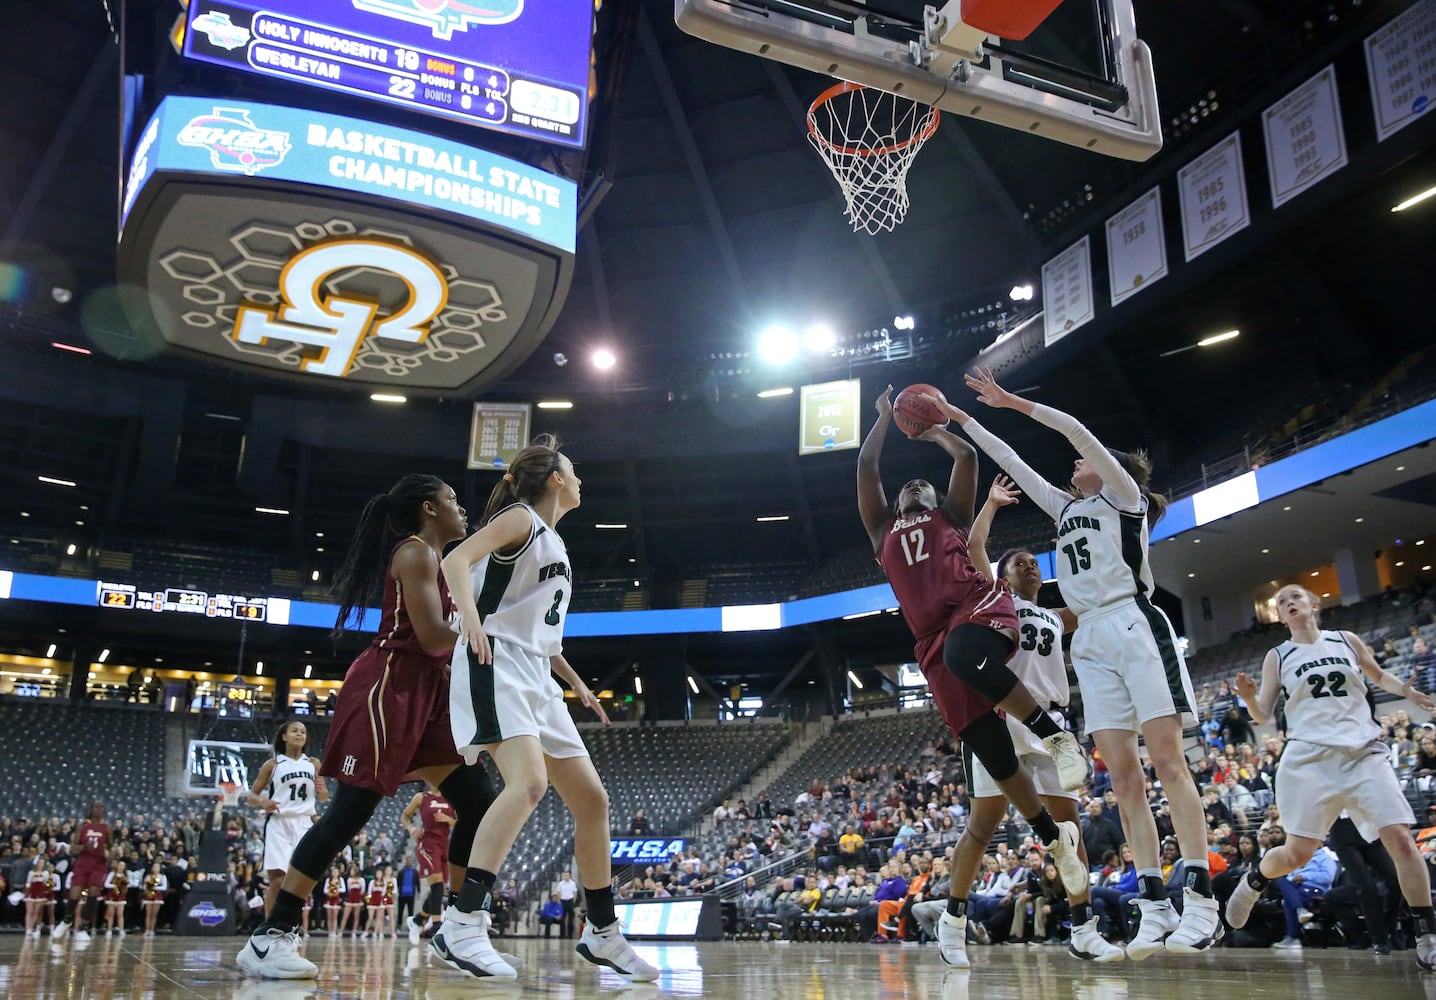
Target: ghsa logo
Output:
[(207, 914), (220, 30), (444, 17), (234, 142)]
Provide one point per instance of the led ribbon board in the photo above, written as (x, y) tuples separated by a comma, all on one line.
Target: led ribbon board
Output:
[(510, 65)]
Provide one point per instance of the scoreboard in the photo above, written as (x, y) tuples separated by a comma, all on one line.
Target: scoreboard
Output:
[(126, 597), (510, 65)]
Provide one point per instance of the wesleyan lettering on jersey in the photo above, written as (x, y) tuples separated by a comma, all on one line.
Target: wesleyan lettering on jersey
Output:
[(1326, 661), (523, 596), (1077, 522), (552, 570)]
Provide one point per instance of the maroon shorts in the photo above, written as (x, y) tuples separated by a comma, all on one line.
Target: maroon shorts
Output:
[(432, 857), (958, 704), (89, 873), (391, 720)]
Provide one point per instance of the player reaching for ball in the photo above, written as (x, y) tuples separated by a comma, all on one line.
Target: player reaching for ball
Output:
[(1334, 758), (965, 629), (1130, 670)]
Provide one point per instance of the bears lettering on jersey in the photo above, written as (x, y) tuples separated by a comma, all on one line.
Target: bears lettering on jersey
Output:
[(903, 523)]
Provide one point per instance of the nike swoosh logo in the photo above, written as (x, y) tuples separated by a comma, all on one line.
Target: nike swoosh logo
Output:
[(1131, 626), (261, 954), (982, 664)]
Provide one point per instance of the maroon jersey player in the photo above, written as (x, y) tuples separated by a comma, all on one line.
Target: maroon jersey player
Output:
[(435, 819), (87, 878), (965, 629)]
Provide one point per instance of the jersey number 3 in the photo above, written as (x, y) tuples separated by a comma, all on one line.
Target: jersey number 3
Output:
[(917, 552), (552, 617)]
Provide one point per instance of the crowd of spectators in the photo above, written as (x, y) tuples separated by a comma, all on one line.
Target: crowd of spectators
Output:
[(141, 842)]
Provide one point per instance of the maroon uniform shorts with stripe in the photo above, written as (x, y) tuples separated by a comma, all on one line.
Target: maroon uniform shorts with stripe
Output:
[(391, 720), (958, 704), (432, 857), (89, 873)]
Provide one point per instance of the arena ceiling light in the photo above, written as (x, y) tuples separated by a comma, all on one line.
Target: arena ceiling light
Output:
[(819, 337), (50, 653), (692, 684), (1021, 293), (637, 685), (856, 682), (786, 390), (904, 323), (1414, 200), (604, 359), (70, 347), (777, 345), (271, 510), (392, 398), (55, 482), (615, 526), (1218, 338), (104, 655), (767, 518), (555, 404)]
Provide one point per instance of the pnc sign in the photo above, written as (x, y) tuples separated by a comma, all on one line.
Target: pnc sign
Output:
[(335, 326)]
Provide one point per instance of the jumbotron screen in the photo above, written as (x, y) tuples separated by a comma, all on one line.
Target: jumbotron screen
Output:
[(511, 65)]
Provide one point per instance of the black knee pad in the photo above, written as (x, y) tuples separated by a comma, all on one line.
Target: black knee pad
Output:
[(434, 902), (349, 809), (990, 742), (470, 791), (977, 656)]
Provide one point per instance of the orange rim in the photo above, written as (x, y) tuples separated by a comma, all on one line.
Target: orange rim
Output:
[(847, 87)]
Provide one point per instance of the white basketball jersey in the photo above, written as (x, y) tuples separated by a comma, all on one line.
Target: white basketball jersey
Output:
[(291, 784), (1038, 664), (523, 597), (1102, 554), (1325, 692)]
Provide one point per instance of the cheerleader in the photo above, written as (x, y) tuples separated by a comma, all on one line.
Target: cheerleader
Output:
[(117, 885), (40, 892), (353, 899), (333, 896), (156, 884), (391, 892), (374, 906)]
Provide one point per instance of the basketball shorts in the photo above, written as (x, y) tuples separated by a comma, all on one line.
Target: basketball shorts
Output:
[(281, 836), (515, 695), (431, 858), (1314, 783), (1032, 757), (1130, 669), (391, 720), (89, 874)]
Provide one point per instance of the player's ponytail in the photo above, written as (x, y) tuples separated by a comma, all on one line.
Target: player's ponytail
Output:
[(527, 478), (1139, 466), (386, 518)]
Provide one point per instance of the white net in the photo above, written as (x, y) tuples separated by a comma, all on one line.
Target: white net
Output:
[(869, 138)]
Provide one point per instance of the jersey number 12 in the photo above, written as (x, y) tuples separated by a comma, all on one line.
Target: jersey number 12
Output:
[(918, 551)]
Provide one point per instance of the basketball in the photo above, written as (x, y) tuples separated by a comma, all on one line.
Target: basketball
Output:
[(915, 415)]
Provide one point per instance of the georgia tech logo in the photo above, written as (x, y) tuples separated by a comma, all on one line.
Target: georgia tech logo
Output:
[(338, 324), (234, 142), (444, 17)]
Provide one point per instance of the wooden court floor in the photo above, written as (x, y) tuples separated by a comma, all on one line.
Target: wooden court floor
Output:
[(166, 967)]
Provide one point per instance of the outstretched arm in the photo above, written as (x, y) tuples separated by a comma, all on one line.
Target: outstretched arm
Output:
[(962, 482), (1002, 494), (1384, 678), (1044, 494), (872, 502), (1261, 704), (1117, 483)]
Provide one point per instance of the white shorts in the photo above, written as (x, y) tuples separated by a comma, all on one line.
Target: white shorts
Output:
[(1130, 669), (1039, 767), (515, 695), (1314, 783), (281, 836)]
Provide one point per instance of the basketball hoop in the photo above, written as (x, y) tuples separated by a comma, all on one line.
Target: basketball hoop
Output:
[(229, 794), (868, 138)]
